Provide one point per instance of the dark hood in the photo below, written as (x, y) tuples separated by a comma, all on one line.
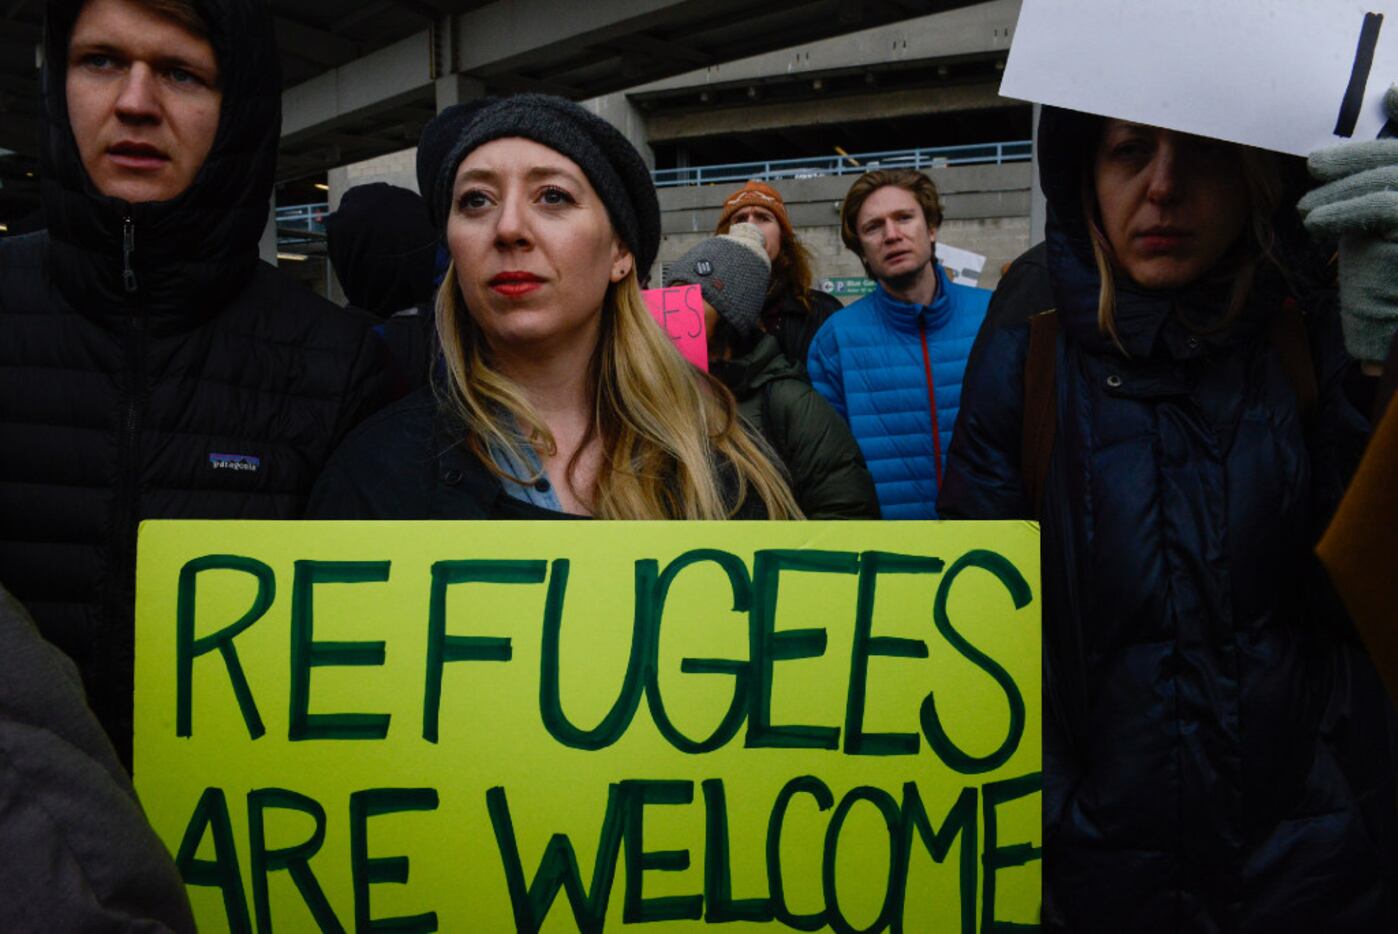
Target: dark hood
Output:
[(384, 248), (1067, 140), (191, 253)]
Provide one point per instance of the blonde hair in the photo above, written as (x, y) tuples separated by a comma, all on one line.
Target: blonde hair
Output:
[(672, 442), (1263, 178)]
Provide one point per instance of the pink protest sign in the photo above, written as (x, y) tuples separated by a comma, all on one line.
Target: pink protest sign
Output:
[(679, 310)]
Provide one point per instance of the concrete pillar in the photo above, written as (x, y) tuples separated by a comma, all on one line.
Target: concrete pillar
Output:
[(267, 246), (618, 110), (1038, 206), (457, 89)]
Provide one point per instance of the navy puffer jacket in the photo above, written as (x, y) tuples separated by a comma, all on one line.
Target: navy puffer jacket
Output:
[(1216, 749)]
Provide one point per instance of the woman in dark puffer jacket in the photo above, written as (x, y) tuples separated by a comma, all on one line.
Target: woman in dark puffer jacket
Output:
[(1216, 749)]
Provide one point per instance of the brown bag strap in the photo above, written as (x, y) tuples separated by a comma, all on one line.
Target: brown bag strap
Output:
[(1040, 405), (1287, 334)]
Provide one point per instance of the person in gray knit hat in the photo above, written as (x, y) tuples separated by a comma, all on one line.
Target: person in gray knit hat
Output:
[(558, 394), (827, 471), (731, 270)]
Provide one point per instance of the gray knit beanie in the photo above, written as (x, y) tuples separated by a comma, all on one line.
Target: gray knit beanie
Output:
[(613, 166), (438, 139), (732, 271)]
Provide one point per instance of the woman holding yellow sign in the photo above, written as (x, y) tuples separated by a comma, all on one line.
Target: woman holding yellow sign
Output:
[(559, 394), (1166, 389)]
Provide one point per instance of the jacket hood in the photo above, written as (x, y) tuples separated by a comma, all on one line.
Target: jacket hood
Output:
[(1067, 141), (193, 251), (384, 248)]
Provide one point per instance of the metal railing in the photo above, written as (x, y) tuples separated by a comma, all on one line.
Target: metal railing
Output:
[(311, 217), (308, 217), (856, 163)]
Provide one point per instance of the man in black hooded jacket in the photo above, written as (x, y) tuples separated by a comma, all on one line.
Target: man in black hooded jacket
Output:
[(150, 366), (383, 248)]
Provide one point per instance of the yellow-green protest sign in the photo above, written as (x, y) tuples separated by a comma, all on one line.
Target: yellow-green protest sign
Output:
[(579, 726)]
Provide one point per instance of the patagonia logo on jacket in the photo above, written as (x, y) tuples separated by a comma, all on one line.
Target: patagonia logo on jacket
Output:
[(234, 462)]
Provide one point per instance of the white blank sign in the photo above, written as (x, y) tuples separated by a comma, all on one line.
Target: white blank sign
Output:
[(963, 266), (1268, 73)]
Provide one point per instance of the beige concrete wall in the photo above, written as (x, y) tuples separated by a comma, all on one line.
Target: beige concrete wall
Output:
[(396, 168), (998, 239), (986, 211), (986, 207)]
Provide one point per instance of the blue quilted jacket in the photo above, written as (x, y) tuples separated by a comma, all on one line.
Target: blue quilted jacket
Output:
[(871, 361)]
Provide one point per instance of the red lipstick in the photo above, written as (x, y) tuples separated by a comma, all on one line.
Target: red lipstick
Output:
[(515, 283)]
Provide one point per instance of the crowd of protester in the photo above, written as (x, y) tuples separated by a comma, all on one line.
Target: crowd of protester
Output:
[(1179, 385)]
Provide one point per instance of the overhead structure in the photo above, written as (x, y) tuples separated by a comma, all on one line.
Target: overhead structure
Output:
[(379, 101), (363, 76)]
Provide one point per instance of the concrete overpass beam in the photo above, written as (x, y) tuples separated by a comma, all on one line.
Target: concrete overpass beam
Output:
[(824, 111), (488, 40), (984, 27), (509, 33), (457, 89), (386, 78)]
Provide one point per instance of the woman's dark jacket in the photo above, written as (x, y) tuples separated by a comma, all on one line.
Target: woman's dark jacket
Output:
[(405, 462), (794, 327), (1216, 745), (828, 476), (178, 379), (411, 461)]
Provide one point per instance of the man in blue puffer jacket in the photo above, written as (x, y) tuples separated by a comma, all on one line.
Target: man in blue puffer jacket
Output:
[(891, 363)]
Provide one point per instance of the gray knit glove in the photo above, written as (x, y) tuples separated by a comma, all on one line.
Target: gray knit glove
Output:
[(1357, 208)]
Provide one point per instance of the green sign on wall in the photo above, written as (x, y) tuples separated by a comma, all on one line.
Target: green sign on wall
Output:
[(847, 285)]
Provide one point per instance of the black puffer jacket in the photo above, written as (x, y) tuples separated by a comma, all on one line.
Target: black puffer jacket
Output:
[(411, 461), (828, 476), (407, 462), (214, 388), (794, 327), (1216, 746)]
